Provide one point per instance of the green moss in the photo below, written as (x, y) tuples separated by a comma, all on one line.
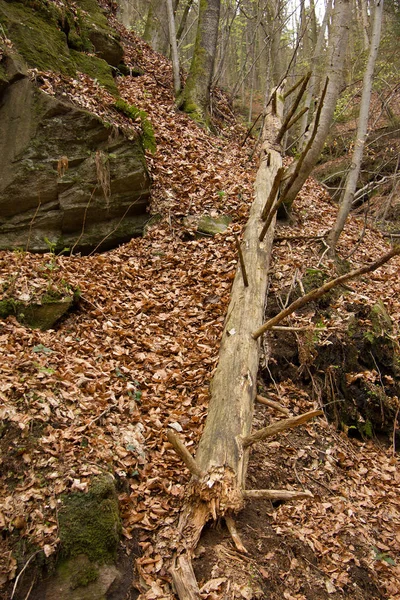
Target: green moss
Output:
[(90, 523), (7, 307), (84, 575), (36, 38), (134, 113), (381, 321), (95, 68), (34, 28)]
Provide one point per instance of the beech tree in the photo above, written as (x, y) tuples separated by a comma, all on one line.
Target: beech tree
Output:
[(361, 135), (195, 97), (301, 169), (174, 47)]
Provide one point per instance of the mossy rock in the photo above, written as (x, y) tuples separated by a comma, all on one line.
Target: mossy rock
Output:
[(312, 280), (90, 522), (78, 578), (381, 321), (43, 315), (208, 225), (48, 38)]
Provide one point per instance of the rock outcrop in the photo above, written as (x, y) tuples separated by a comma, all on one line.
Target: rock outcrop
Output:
[(66, 177)]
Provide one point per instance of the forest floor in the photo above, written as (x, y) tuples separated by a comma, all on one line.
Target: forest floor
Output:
[(99, 392)]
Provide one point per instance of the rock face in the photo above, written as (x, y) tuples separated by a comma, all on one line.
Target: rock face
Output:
[(66, 177)]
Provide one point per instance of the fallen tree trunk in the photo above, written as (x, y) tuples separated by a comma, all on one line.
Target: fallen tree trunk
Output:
[(217, 487)]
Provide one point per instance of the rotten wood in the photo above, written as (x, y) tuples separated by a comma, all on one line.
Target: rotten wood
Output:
[(280, 426), (273, 404), (317, 293), (221, 455)]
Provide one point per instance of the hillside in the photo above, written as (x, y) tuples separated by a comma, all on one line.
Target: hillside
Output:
[(97, 393)]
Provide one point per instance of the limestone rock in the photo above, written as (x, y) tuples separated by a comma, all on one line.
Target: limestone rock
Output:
[(42, 196)]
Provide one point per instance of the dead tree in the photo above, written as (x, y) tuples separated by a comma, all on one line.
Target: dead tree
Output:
[(217, 487)]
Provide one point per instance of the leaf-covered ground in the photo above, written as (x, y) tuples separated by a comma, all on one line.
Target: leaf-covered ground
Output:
[(99, 392)]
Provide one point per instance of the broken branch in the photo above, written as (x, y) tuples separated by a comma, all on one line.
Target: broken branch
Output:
[(317, 293), (241, 260), (289, 116), (230, 523), (280, 426), (273, 404), (273, 192), (277, 494), (184, 453)]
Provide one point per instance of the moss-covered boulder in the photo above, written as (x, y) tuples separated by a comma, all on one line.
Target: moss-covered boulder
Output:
[(65, 175), (46, 34), (89, 530), (38, 315), (53, 160), (90, 523), (207, 225)]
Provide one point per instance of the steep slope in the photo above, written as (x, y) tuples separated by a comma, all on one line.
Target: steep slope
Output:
[(98, 393)]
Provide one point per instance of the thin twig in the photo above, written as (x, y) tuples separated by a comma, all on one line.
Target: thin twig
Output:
[(317, 293), (273, 404), (21, 572), (394, 431), (280, 426)]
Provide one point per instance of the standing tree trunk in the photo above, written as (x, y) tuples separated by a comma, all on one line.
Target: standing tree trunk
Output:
[(156, 30), (308, 159), (195, 97), (352, 177), (312, 89), (174, 47)]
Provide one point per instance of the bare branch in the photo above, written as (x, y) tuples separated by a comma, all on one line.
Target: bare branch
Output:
[(277, 494), (317, 293), (241, 260), (280, 426), (273, 404), (184, 453)]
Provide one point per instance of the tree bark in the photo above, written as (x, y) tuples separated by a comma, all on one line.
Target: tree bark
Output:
[(156, 29), (312, 89), (195, 98), (361, 136), (337, 44), (174, 47)]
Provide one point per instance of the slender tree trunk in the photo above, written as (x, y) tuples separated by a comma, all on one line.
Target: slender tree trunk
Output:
[(352, 178), (174, 47), (195, 98), (337, 44), (315, 76), (184, 17)]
